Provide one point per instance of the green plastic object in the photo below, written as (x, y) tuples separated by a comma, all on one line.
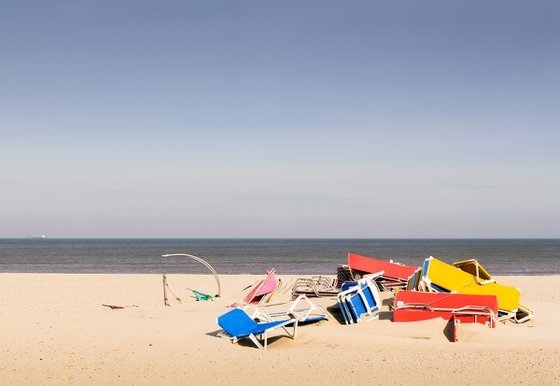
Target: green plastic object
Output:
[(201, 296)]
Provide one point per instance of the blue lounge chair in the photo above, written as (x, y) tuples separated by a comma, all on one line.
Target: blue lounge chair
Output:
[(346, 288), (360, 299), (238, 325)]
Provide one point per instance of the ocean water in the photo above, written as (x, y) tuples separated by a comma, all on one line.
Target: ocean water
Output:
[(255, 256)]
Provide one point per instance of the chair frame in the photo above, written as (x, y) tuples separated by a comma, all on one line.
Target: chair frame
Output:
[(469, 310), (302, 314)]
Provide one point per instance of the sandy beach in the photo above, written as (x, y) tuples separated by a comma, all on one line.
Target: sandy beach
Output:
[(55, 331)]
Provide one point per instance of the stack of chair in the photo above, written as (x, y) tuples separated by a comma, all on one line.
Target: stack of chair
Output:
[(394, 278), (317, 286), (460, 293), (469, 277), (344, 273), (360, 300)]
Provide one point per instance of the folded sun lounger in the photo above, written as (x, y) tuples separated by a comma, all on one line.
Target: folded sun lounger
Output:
[(262, 291), (238, 325), (411, 306), (359, 300), (438, 276)]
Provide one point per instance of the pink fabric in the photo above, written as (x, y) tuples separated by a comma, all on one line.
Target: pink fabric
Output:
[(265, 286), (268, 284)]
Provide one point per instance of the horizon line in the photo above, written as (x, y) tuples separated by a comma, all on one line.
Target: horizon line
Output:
[(276, 238)]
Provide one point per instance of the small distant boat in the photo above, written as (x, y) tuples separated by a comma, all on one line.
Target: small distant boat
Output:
[(42, 237)]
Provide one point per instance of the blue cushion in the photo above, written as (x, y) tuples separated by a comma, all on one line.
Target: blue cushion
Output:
[(313, 319), (262, 327), (237, 323), (357, 306)]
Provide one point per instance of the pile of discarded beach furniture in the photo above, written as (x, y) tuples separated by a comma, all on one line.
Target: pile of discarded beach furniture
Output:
[(463, 292)]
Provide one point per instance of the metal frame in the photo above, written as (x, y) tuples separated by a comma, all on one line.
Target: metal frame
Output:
[(313, 312), (203, 262), (469, 310)]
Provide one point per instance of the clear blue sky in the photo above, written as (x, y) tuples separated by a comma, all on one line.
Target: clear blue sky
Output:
[(280, 119)]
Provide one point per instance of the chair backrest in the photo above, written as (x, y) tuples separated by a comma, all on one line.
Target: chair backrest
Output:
[(357, 307), (236, 322), (362, 298), (372, 295), (347, 285), (390, 269)]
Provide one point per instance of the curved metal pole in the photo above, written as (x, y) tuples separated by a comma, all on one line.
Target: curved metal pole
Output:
[(202, 262)]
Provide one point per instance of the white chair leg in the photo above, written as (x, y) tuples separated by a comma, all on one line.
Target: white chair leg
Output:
[(257, 343)]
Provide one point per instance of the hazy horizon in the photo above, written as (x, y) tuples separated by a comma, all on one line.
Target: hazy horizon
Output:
[(387, 119), (273, 238)]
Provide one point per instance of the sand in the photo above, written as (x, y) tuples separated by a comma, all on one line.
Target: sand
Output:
[(54, 331)]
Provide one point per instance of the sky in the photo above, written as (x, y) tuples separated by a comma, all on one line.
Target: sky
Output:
[(280, 119)]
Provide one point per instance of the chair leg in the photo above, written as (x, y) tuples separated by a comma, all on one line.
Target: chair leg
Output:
[(257, 343), (292, 334)]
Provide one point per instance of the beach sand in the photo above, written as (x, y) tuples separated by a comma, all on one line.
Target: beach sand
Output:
[(55, 331)]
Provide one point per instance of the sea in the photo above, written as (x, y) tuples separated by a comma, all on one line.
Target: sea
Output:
[(255, 256)]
